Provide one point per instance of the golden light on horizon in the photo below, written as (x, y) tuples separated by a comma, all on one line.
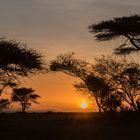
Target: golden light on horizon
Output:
[(84, 105)]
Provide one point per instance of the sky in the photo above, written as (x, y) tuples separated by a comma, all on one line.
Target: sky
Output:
[(55, 27)]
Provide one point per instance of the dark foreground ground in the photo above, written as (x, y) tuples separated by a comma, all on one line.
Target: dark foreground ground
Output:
[(69, 126)]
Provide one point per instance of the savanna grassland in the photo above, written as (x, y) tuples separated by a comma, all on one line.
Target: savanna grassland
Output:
[(69, 126)]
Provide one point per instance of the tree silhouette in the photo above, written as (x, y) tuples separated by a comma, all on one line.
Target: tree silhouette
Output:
[(17, 61), (127, 28), (7, 82), (25, 96), (111, 81), (102, 91), (70, 65), (4, 104), (123, 76)]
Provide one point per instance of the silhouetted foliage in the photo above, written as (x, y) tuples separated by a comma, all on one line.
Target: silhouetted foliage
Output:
[(17, 58), (25, 96), (102, 91), (105, 96), (4, 104), (123, 76), (17, 61), (113, 82), (126, 27), (70, 65), (7, 83)]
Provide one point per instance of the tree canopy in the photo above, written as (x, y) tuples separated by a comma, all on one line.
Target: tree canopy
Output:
[(127, 27), (123, 76), (18, 61), (18, 58), (25, 96), (70, 65), (113, 82)]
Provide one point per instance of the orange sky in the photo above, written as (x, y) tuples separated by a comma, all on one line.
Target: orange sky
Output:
[(58, 93), (60, 26)]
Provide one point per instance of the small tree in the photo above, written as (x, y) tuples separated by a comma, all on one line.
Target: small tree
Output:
[(25, 96), (127, 28), (4, 104)]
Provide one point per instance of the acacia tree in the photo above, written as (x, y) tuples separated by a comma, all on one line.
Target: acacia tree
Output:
[(102, 91), (123, 76), (127, 28), (4, 104), (17, 61), (112, 82), (25, 96), (70, 65)]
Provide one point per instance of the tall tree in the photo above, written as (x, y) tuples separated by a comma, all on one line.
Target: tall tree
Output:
[(112, 82), (104, 95), (127, 28), (123, 76), (70, 65), (17, 61), (25, 96)]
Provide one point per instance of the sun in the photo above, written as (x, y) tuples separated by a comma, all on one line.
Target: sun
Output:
[(83, 105)]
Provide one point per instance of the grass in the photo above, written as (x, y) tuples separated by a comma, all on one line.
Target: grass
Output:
[(69, 126)]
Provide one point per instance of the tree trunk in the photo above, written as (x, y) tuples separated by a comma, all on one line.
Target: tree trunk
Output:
[(23, 108)]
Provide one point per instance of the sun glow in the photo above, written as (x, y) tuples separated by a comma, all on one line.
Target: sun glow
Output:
[(83, 105)]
